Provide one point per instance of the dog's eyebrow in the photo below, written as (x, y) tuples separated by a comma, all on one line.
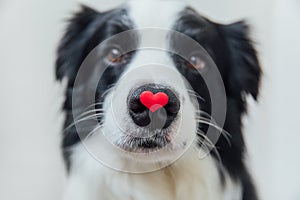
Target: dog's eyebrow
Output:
[(191, 15)]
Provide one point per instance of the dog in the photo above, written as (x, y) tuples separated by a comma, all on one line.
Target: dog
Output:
[(152, 109)]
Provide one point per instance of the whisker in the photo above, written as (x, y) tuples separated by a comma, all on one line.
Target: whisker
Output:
[(206, 142), (195, 94), (214, 125), (94, 116), (88, 112), (209, 120), (110, 88), (93, 105)]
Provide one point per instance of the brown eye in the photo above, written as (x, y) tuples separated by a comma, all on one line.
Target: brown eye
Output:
[(196, 62), (114, 55)]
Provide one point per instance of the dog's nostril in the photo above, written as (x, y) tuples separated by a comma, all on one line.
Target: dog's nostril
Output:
[(173, 106), (138, 111), (136, 106), (146, 102), (141, 118)]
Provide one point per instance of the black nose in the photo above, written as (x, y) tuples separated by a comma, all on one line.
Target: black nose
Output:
[(153, 103)]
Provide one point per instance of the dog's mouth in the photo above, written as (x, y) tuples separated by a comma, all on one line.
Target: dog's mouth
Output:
[(149, 142)]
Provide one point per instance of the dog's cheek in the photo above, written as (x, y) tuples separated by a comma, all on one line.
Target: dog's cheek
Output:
[(114, 110), (188, 125)]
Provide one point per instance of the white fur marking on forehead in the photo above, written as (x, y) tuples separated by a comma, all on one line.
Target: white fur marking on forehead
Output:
[(155, 13)]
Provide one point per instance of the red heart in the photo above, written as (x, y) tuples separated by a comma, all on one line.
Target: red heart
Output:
[(154, 101)]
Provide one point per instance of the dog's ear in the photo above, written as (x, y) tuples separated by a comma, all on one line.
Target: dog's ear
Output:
[(244, 68), (71, 50)]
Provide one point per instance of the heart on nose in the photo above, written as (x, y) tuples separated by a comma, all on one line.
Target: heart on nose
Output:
[(154, 101)]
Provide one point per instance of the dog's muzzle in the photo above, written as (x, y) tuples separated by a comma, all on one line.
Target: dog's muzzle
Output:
[(153, 106)]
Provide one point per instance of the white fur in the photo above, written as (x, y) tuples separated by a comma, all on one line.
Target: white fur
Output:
[(189, 178), (152, 64), (162, 12)]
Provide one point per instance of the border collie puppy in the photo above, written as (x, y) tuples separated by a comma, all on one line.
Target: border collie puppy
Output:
[(154, 103)]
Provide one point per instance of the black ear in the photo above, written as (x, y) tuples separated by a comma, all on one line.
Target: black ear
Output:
[(72, 50), (245, 72)]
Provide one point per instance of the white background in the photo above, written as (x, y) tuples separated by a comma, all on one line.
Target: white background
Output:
[(31, 166)]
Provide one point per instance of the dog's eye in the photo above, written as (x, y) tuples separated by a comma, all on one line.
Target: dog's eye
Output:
[(114, 55), (196, 62)]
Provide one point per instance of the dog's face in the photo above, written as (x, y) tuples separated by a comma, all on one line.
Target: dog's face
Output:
[(148, 75)]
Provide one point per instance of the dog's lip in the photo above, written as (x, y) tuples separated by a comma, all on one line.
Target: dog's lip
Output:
[(155, 142), (150, 144)]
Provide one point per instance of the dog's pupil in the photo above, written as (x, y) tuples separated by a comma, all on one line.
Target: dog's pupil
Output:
[(196, 62), (115, 55)]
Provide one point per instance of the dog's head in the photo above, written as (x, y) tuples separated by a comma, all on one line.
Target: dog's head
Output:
[(146, 70)]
